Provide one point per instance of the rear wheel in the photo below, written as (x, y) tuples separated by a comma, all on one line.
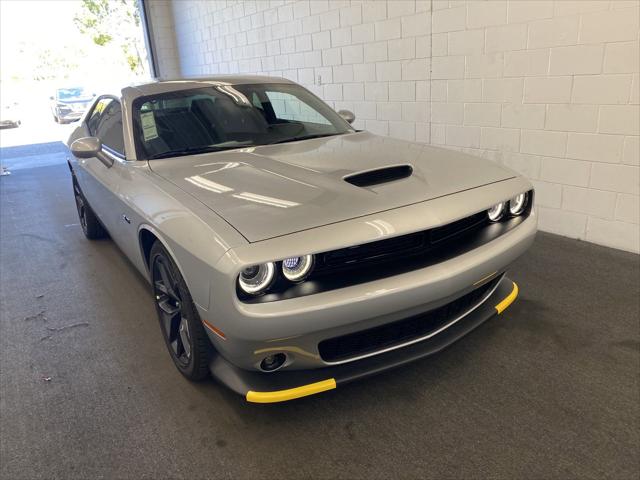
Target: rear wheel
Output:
[(183, 332), (91, 226)]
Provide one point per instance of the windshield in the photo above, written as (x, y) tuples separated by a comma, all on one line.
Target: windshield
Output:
[(225, 117), (69, 93)]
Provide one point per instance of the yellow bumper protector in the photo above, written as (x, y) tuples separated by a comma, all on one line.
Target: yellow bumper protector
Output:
[(291, 393), (508, 300)]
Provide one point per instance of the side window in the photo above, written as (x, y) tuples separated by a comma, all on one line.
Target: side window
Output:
[(96, 114), (290, 107), (109, 129), (255, 101)]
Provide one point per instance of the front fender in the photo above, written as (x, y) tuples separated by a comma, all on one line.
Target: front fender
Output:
[(193, 235)]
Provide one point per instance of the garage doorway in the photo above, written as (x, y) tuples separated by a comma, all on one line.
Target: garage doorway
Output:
[(55, 57)]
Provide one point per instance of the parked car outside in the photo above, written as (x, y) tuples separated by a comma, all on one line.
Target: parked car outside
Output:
[(69, 104), (10, 115), (288, 252)]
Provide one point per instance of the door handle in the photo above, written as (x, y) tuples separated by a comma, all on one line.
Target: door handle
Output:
[(126, 219)]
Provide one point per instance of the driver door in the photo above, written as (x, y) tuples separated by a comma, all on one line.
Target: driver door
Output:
[(101, 184)]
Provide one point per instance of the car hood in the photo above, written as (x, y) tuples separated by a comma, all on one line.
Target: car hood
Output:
[(274, 190)]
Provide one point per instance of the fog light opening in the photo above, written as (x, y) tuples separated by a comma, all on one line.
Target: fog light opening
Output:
[(273, 362)]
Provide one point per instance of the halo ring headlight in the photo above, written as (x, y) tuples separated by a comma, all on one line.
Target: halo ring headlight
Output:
[(518, 203), (296, 269), (257, 278), (496, 212)]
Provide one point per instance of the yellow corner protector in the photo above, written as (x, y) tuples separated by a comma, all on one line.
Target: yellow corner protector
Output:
[(502, 306), (291, 393)]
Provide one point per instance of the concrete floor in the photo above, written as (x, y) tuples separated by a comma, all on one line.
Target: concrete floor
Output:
[(548, 390)]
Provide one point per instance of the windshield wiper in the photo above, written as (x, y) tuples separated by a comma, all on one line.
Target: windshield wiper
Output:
[(191, 151), (304, 137)]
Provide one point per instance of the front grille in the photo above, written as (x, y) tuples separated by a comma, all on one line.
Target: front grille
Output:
[(396, 333), (398, 248), (386, 258), (459, 227)]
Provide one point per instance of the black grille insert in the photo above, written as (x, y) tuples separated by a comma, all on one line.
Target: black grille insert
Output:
[(392, 256), (396, 333), (397, 248)]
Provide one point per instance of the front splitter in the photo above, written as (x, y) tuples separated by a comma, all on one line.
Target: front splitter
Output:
[(285, 385)]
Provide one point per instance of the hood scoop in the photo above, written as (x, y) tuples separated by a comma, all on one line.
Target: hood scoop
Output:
[(379, 175)]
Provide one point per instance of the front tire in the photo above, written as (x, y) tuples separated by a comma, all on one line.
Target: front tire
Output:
[(91, 226), (182, 329)]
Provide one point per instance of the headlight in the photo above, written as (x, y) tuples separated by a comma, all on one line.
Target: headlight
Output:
[(257, 278), (518, 203), (296, 269), (495, 213)]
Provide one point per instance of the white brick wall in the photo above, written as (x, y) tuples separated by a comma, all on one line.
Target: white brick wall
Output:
[(547, 87), (370, 57), (565, 74), (163, 40)]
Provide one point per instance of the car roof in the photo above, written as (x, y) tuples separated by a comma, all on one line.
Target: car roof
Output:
[(170, 85)]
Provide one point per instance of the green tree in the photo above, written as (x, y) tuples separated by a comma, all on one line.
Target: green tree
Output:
[(52, 65), (117, 22)]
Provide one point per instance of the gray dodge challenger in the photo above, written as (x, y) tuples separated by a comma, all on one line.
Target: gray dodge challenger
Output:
[(288, 252)]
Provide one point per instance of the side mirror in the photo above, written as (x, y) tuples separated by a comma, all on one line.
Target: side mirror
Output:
[(347, 115), (89, 147), (51, 98)]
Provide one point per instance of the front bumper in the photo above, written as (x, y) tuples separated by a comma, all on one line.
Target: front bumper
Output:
[(286, 385), (297, 326)]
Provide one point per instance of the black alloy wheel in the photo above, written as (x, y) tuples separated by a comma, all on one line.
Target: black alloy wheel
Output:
[(81, 207), (181, 327), (175, 326), (91, 226)]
